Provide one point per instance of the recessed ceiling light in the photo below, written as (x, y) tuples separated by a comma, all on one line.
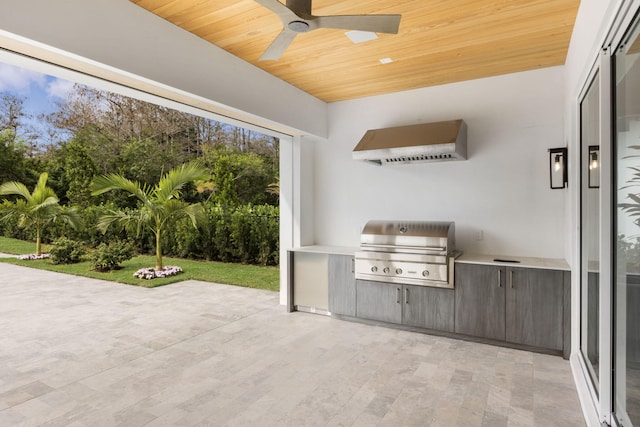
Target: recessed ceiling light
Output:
[(386, 60), (361, 36)]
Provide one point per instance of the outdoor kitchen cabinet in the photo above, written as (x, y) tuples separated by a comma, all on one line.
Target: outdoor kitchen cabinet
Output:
[(379, 301), (342, 285), (428, 307), (417, 306), (534, 307), (480, 301), (512, 304)]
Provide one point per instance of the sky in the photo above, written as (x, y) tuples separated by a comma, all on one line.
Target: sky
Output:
[(39, 91)]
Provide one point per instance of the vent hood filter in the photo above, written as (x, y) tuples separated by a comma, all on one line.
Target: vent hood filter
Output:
[(427, 142)]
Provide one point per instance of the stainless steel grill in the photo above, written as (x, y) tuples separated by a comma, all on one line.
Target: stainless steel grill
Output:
[(410, 252)]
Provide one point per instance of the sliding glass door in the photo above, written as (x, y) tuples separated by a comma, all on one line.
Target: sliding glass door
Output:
[(590, 228), (626, 230)]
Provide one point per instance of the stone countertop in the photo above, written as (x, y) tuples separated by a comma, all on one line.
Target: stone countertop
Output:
[(487, 259), (320, 249), (524, 262)]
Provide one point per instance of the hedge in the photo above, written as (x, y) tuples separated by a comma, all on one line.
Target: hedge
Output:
[(247, 234)]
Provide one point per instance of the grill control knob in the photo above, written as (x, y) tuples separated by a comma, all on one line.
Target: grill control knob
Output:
[(425, 273), (385, 270), (374, 269), (398, 271)]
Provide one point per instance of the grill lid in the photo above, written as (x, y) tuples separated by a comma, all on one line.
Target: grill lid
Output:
[(395, 236)]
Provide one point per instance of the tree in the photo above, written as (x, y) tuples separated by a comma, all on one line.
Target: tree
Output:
[(79, 171), (36, 209), (240, 178), (159, 206), (14, 119), (11, 113), (12, 167)]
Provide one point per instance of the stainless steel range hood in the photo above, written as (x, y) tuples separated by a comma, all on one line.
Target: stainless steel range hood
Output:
[(426, 142)]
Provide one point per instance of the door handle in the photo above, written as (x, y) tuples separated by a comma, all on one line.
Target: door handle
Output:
[(499, 278), (397, 295), (511, 278), (406, 296)]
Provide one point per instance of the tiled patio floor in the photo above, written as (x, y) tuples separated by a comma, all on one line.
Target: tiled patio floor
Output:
[(83, 352)]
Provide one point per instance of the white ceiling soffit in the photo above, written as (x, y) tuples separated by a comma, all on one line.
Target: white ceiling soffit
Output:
[(147, 53)]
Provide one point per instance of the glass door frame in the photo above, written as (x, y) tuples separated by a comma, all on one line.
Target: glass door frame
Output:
[(600, 393), (594, 74), (630, 17), (602, 66), (606, 233)]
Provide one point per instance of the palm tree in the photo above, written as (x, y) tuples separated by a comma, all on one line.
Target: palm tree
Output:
[(36, 209), (160, 206)]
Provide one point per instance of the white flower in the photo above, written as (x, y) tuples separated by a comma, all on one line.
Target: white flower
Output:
[(151, 273), (33, 256)]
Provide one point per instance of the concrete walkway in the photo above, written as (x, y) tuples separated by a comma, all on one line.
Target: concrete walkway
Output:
[(83, 352)]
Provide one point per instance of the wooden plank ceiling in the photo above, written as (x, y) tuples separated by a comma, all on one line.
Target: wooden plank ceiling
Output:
[(439, 41)]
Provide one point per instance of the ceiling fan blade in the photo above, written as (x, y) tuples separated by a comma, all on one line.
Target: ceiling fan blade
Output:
[(388, 24), (285, 14), (278, 46)]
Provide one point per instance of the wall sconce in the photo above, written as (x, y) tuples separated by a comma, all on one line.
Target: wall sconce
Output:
[(594, 166), (558, 175)]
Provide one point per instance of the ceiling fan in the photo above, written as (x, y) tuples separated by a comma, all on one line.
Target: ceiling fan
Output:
[(297, 18)]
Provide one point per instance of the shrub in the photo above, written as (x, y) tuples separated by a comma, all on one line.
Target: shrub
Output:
[(265, 229), (220, 224), (66, 251), (243, 241), (255, 235), (245, 233), (108, 257)]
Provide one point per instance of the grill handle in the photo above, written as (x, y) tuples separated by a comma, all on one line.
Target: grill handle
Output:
[(368, 246)]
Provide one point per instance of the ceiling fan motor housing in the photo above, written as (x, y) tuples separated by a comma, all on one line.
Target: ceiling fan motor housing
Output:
[(298, 26)]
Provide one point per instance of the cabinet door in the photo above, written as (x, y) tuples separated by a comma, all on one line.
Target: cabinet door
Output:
[(310, 280), (480, 300), (534, 307), (342, 285), (427, 307), (379, 301)]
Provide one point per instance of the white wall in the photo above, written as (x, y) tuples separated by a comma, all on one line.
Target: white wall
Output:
[(501, 190)]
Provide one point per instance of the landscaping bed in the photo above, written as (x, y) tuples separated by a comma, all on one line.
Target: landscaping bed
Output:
[(250, 276)]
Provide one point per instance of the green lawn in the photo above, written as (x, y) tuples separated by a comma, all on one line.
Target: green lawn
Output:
[(19, 247), (250, 276)]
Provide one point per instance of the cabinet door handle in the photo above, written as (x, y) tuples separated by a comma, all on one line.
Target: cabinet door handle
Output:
[(511, 278), (499, 278), (406, 296), (397, 295)]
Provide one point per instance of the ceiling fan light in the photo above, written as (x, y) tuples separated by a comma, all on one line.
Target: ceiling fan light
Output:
[(357, 36)]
